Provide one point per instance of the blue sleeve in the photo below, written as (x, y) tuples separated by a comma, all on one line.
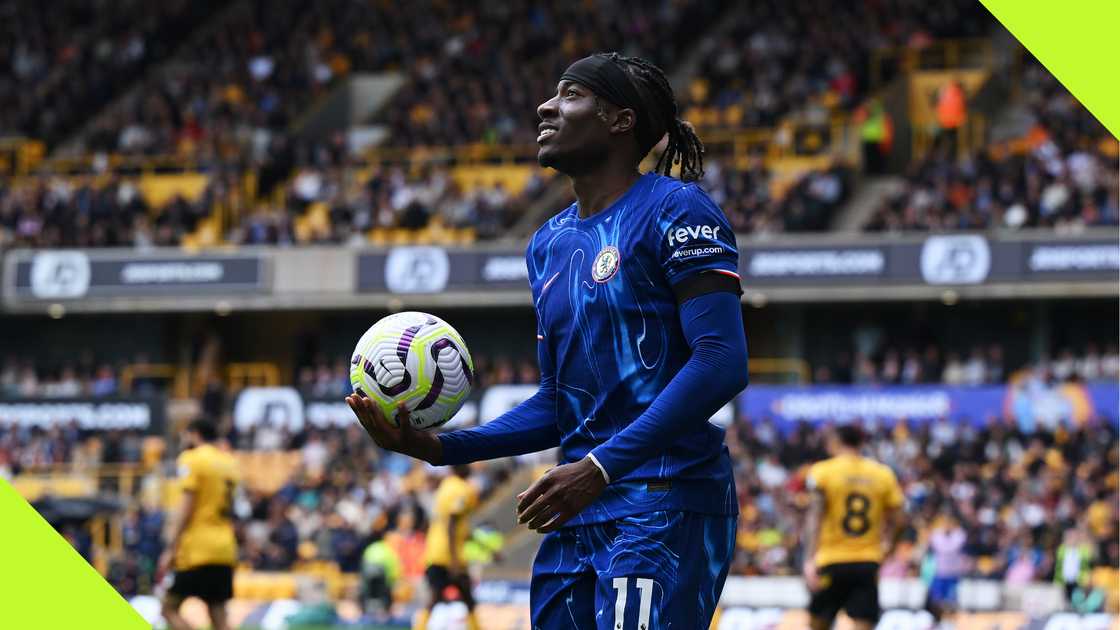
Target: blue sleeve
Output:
[(712, 376), (694, 236), (527, 428)]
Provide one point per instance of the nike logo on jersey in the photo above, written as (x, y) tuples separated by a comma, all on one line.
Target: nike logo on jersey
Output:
[(682, 235)]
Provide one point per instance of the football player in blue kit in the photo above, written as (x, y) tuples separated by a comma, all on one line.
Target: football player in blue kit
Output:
[(640, 341)]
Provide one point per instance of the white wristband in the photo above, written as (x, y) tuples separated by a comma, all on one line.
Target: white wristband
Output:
[(595, 461)]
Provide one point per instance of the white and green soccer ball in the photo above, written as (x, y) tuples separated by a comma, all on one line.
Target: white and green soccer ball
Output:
[(415, 358)]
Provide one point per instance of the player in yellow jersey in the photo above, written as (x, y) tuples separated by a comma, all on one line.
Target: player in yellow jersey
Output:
[(202, 548), (444, 556), (854, 516)]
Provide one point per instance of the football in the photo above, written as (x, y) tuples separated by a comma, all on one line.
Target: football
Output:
[(415, 358)]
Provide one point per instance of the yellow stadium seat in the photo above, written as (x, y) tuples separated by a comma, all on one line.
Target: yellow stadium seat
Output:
[(423, 236), (400, 236), (378, 237), (157, 190), (32, 487), (284, 588), (512, 177), (732, 116), (267, 471), (709, 117), (698, 91), (467, 236), (152, 451)]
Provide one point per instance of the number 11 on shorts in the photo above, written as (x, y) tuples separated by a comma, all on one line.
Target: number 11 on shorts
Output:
[(645, 587)]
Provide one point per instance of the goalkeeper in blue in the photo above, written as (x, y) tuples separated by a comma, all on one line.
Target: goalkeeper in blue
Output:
[(640, 340)]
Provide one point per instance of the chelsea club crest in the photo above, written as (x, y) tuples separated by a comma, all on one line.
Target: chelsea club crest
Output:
[(606, 264)]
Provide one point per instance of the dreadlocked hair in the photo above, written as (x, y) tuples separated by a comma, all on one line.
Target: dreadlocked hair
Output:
[(684, 147)]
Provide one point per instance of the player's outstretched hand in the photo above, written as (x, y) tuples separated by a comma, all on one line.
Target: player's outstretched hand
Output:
[(401, 438), (559, 495)]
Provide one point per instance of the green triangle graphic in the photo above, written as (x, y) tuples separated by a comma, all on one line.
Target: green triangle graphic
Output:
[(1077, 42), (45, 584)]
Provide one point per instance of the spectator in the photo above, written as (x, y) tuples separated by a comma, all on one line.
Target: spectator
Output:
[(946, 545), (1024, 561), (1058, 176), (954, 373), (1062, 369), (1110, 363), (1072, 564), (105, 382), (975, 370)]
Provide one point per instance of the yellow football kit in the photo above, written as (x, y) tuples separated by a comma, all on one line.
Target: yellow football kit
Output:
[(208, 537), (858, 492)]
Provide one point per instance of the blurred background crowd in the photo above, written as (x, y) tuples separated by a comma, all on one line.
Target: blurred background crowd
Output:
[(1016, 497), (895, 364), (228, 99), (222, 124)]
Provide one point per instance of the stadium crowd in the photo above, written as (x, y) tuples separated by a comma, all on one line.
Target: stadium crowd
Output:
[(325, 507), (31, 448), (64, 212), (25, 378), (61, 62), (980, 365), (341, 494), (89, 377), (745, 197), (1062, 175), (52, 212), (484, 72), (892, 365), (228, 102), (323, 378), (1015, 495), (386, 197), (481, 66), (773, 57), (245, 82), (1015, 491)]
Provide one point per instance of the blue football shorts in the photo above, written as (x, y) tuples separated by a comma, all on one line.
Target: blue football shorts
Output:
[(652, 571)]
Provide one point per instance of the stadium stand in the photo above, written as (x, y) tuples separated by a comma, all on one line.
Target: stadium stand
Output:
[(747, 198), (1000, 483), (61, 62), (249, 78), (324, 378), (313, 497), (774, 57), (230, 102), (187, 119), (256, 74), (1060, 174), (496, 63), (895, 364), (88, 211)]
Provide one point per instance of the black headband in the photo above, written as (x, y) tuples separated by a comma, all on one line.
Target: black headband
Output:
[(605, 77)]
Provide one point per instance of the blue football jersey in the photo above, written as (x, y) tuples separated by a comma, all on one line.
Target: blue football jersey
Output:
[(609, 326)]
